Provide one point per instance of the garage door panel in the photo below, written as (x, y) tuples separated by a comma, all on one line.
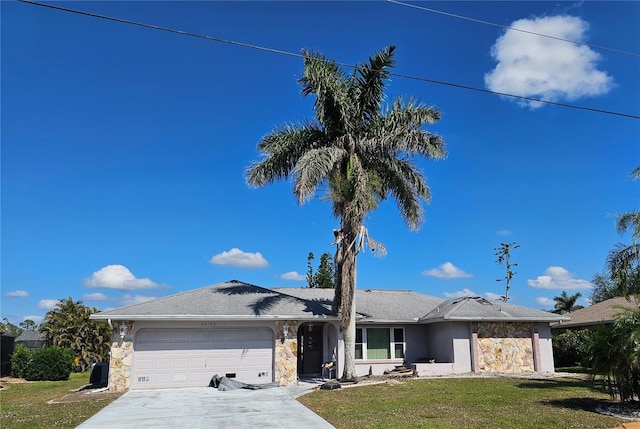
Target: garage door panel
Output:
[(165, 358)]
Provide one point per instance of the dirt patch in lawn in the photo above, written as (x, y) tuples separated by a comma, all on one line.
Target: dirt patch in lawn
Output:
[(86, 395)]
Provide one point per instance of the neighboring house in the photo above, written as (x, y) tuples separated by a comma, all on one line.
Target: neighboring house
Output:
[(31, 339), (602, 313), (260, 335)]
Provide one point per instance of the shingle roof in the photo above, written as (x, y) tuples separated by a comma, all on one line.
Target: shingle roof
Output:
[(236, 300), (376, 305), (230, 300), (604, 312), (481, 309), (30, 336)]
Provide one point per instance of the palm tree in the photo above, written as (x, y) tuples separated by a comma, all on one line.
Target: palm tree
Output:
[(615, 353), (358, 152), (623, 262), (68, 326), (566, 303)]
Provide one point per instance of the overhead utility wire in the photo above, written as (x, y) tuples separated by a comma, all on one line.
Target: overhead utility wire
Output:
[(156, 27), (634, 54), (291, 54)]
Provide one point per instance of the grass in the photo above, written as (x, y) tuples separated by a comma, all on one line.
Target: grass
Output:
[(437, 403), (25, 405), (465, 403)]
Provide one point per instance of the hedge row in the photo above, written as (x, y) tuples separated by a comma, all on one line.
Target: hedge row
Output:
[(49, 363)]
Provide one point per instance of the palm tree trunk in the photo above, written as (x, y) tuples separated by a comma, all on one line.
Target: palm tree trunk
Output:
[(348, 292)]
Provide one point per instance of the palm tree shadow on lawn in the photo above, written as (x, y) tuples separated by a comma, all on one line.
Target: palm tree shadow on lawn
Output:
[(573, 403)]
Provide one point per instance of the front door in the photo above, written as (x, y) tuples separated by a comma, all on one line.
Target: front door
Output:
[(311, 349)]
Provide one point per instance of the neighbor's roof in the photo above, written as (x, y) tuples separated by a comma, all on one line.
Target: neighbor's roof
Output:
[(376, 305), (35, 335), (231, 300), (481, 309), (604, 312)]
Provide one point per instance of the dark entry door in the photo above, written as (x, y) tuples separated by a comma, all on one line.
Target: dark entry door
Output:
[(311, 341)]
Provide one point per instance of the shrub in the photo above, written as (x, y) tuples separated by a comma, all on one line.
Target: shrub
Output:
[(615, 354), (571, 347), (19, 360), (50, 363)]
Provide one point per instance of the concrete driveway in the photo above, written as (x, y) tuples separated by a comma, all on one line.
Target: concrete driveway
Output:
[(205, 407)]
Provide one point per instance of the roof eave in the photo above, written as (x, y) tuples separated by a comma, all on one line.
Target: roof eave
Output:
[(203, 317), (491, 319)]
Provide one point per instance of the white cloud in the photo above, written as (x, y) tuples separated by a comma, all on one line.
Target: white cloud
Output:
[(446, 271), (17, 294), (492, 296), (135, 299), (292, 275), (237, 258), (504, 232), (558, 278), (544, 301), (95, 297), (540, 67), (460, 293), (36, 319), (48, 304), (117, 277)]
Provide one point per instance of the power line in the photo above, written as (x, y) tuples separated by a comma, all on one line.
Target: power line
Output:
[(156, 27), (291, 54), (426, 9)]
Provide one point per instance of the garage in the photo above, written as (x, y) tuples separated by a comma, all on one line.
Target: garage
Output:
[(189, 357)]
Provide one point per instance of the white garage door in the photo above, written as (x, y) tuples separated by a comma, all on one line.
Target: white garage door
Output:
[(166, 358)]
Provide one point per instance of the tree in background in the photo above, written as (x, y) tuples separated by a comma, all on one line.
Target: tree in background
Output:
[(28, 325), (566, 303), (361, 152), (603, 289), (504, 254), (324, 278), (311, 282), (9, 328), (68, 326)]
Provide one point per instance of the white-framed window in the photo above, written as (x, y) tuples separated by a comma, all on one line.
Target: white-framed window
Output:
[(379, 343)]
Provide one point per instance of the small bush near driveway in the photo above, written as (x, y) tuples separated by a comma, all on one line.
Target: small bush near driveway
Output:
[(443, 403)]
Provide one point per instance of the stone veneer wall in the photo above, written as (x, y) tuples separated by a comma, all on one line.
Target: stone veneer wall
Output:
[(120, 362), (286, 354), (505, 348)]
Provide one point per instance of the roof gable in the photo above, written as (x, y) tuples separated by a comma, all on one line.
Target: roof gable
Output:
[(481, 309)]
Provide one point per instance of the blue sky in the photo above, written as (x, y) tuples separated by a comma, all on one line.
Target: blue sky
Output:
[(123, 148)]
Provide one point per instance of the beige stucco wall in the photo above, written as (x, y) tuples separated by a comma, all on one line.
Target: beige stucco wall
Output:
[(505, 348), (546, 349)]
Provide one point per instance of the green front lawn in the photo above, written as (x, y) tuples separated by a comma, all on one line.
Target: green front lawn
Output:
[(464, 403), (420, 403), (25, 405)]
